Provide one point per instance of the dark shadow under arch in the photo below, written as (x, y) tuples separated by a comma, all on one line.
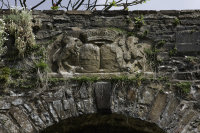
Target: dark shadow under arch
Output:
[(103, 123)]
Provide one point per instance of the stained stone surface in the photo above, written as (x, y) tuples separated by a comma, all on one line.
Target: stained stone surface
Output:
[(100, 50), (89, 58)]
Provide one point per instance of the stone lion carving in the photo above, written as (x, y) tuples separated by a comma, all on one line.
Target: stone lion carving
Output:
[(65, 55), (97, 51)]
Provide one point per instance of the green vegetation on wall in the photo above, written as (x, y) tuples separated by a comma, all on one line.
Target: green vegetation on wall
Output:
[(172, 51), (2, 37), (19, 26), (4, 75), (27, 68), (139, 21), (176, 21), (183, 88), (151, 54)]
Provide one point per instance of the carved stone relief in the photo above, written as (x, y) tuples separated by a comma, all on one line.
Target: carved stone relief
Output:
[(97, 51)]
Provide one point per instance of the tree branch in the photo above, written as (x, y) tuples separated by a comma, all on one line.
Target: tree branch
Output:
[(58, 3), (75, 4), (21, 3), (88, 5), (79, 4), (15, 2), (69, 4), (8, 4), (38, 4), (4, 4), (95, 3), (24, 2), (107, 7)]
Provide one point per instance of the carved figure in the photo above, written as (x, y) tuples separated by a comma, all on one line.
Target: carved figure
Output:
[(66, 57), (98, 51)]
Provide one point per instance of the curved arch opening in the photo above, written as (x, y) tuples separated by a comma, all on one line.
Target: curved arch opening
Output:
[(103, 123)]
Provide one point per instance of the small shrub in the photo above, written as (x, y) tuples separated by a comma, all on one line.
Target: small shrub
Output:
[(56, 81), (23, 84), (192, 59), (137, 79), (19, 26), (173, 52), (184, 87), (119, 78), (113, 3), (15, 73), (160, 44), (176, 21), (54, 7), (4, 74), (145, 33), (42, 65), (2, 38), (139, 21), (119, 30), (151, 55)]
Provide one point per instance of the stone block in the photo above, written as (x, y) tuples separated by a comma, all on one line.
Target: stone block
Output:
[(158, 106), (74, 12), (52, 12), (187, 118), (172, 106), (23, 120), (4, 105), (61, 19), (100, 34), (187, 37), (2, 130), (44, 34), (188, 48), (18, 101), (103, 93), (58, 106), (111, 58), (132, 95), (8, 124), (90, 58), (183, 76), (37, 120), (196, 75), (147, 96), (168, 115)]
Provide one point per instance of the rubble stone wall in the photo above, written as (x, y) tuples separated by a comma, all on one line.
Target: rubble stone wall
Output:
[(161, 99)]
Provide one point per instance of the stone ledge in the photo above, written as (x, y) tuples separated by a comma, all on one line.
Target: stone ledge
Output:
[(101, 75), (112, 12), (79, 12)]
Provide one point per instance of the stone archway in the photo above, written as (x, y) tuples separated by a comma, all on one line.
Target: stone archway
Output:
[(103, 123), (68, 100)]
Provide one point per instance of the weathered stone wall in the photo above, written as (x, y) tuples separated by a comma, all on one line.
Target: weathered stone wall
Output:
[(178, 29), (162, 102)]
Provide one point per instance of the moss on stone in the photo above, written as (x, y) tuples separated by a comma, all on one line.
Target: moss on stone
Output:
[(184, 87), (4, 74), (42, 65), (86, 79)]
